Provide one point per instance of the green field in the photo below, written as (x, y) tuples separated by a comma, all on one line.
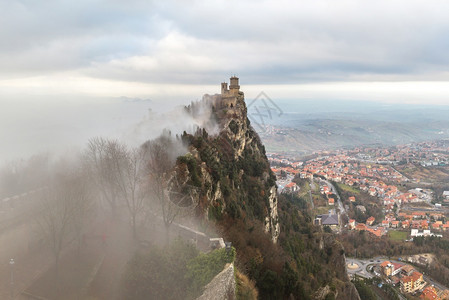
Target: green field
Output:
[(397, 235), (304, 190), (349, 189)]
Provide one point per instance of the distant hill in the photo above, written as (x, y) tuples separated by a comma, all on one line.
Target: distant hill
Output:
[(329, 127), (327, 134)]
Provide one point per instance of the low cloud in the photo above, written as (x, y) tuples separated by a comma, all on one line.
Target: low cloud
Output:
[(176, 121)]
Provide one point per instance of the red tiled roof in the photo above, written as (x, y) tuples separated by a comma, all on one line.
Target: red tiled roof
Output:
[(385, 263), (377, 232), (397, 266), (414, 277), (406, 279), (291, 184), (360, 226), (429, 293)]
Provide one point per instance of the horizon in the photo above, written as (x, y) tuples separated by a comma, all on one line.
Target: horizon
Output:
[(37, 128)]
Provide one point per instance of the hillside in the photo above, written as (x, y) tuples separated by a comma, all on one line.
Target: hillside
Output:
[(305, 133), (276, 243)]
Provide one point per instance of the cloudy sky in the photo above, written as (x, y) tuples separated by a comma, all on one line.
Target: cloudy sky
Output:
[(64, 63), (166, 50)]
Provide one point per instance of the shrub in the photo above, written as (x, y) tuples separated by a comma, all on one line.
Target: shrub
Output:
[(192, 165), (245, 288)]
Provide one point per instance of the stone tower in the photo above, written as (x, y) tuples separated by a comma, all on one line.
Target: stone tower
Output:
[(234, 86), (233, 90), (224, 88)]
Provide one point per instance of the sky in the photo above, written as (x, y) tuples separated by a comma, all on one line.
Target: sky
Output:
[(168, 50), (85, 52)]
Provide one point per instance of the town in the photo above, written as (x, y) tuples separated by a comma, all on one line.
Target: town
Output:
[(398, 193)]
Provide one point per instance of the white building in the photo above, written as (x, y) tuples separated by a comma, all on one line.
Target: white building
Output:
[(425, 232)]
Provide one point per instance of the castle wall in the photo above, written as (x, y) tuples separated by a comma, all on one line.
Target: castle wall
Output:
[(228, 97)]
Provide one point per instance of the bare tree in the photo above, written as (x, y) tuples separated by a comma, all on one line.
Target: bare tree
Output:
[(103, 159), (138, 174), (161, 155), (130, 181)]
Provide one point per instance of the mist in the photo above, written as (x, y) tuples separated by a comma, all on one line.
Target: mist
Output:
[(63, 124), (80, 194)]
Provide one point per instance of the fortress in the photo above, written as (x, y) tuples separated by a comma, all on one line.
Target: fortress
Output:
[(233, 90), (229, 98)]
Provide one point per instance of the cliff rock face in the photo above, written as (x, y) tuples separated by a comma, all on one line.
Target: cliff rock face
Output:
[(345, 290), (271, 221), (228, 175), (221, 287), (234, 177)]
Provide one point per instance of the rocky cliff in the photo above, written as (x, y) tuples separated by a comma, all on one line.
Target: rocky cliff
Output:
[(229, 169), (228, 175)]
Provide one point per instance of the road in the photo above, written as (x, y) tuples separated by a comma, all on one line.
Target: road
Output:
[(312, 188), (406, 178), (436, 284), (334, 191), (361, 270)]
